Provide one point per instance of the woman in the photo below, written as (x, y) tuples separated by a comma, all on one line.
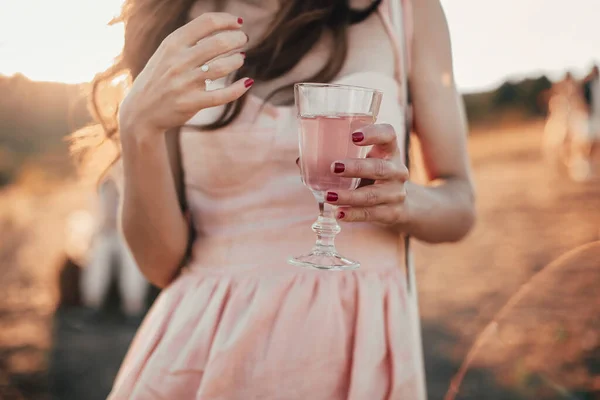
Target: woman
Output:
[(237, 322)]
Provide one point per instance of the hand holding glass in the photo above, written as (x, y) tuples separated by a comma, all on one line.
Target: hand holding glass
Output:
[(328, 114)]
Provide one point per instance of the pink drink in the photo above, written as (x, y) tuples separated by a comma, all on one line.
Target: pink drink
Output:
[(324, 140)]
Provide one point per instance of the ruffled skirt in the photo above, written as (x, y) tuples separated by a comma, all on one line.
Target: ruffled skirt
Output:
[(286, 334)]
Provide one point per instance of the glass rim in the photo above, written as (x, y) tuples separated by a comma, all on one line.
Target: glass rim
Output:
[(338, 86)]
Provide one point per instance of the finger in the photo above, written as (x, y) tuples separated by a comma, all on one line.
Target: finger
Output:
[(366, 182), (370, 168), (385, 214), (217, 69), (368, 196), (200, 99), (222, 67), (380, 135), (204, 26), (214, 46)]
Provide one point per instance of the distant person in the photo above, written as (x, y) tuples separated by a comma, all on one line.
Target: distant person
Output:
[(567, 131), (234, 320), (567, 87), (586, 131), (79, 233), (110, 258), (591, 89), (559, 123), (592, 96)]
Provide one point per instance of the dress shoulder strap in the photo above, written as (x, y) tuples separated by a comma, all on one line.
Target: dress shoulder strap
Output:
[(397, 17)]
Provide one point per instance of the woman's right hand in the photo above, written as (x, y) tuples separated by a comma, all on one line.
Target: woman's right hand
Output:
[(171, 89)]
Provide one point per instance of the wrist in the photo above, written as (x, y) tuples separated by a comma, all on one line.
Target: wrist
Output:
[(139, 137), (134, 128), (410, 209)]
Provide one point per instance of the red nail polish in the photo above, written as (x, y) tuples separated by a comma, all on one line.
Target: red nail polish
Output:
[(248, 82), (358, 137), (341, 215), (332, 196), (240, 20), (338, 168)]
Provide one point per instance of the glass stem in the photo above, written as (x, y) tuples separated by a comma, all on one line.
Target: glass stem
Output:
[(326, 227)]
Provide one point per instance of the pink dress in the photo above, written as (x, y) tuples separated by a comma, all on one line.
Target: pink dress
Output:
[(239, 323)]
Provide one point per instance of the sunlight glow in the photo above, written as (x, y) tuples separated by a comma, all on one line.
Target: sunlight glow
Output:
[(61, 40), (70, 41), (493, 40)]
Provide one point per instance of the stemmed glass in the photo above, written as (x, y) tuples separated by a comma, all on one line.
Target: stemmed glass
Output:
[(327, 115)]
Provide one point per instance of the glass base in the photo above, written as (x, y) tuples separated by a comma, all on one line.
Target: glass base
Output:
[(324, 260)]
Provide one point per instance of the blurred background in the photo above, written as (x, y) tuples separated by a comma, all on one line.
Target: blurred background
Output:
[(512, 312)]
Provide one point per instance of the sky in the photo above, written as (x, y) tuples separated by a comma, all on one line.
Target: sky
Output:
[(492, 39), (496, 39)]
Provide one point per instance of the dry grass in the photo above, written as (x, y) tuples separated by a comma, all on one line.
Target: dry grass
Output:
[(529, 214)]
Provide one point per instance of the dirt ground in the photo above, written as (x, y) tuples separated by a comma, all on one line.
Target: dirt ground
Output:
[(547, 346)]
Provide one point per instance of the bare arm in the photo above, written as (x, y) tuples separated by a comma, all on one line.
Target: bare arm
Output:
[(167, 93), (443, 210), (152, 220)]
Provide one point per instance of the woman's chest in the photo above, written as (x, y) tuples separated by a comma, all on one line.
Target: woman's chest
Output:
[(262, 143), (259, 144)]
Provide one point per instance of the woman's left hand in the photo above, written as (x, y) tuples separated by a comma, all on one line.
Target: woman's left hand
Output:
[(384, 201)]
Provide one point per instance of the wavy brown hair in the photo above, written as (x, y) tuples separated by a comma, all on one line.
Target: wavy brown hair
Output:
[(295, 29)]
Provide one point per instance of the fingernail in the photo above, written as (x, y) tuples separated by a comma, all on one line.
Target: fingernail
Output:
[(341, 215), (240, 20), (248, 82), (358, 137), (338, 168), (332, 196)]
